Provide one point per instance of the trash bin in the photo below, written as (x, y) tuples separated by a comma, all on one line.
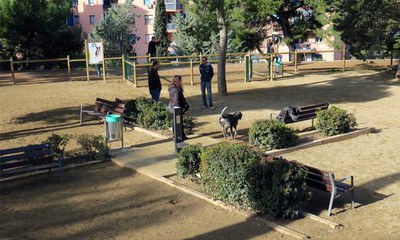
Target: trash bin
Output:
[(113, 127), (278, 68)]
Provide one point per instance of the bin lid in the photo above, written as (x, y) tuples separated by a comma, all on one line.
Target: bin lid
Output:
[(113, 118), (278, 63)]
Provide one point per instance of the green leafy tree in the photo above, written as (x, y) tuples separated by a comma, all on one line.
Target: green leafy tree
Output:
[(37, 29), (370, 27), (115, 28), (160, 28)]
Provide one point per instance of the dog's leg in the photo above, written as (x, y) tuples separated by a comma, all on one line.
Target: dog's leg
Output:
[(232, 135), (223, 131), (235, 132)]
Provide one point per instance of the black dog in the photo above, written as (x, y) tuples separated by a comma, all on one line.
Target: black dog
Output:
[(229, 120)]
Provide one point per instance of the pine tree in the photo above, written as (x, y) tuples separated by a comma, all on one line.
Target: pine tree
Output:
[(160, 29)]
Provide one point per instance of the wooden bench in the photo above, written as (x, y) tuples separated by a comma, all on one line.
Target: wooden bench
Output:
[(325, 181), (303, 113), (102, 108), (28, 159)]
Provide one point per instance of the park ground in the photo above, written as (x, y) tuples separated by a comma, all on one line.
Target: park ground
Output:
[(104, 201)]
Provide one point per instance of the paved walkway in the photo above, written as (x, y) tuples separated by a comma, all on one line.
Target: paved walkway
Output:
[(156, 158)]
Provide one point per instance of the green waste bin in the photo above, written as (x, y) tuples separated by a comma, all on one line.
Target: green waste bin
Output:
[(278, 68), (113, 127)]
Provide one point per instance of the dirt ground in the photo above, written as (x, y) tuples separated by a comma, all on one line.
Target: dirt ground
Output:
[(104, 201)]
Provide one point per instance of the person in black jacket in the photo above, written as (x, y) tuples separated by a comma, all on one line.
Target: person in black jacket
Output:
[(154, 82), (152, 47), (206, 74)]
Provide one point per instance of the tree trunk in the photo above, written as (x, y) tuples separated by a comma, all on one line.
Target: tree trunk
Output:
[(287, 33), (223, 36)]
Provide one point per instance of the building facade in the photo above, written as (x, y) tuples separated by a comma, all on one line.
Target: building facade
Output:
[(86, 13)]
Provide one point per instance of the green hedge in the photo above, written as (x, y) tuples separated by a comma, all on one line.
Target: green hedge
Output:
[(335, 120), (226, 170), (144, 113), (280, 188), (188, 164), (271, 134), (235, 174)]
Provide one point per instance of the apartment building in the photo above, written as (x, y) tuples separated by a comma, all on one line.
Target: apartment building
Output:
[(86, 13)]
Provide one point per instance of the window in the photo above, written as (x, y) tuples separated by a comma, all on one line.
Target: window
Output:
[(317, 39), (76, 19), (148, 37), (91, 2), (148, 19), (92, 19)]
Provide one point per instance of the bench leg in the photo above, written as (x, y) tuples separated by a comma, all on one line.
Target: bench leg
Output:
[(331, 203)]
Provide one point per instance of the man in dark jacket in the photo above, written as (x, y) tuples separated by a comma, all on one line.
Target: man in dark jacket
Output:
[(206, 74), (152, 47), (154, 81)]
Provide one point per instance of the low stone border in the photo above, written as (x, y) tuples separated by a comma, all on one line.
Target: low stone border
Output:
[(318, 142), (149, 132), (322, 220)]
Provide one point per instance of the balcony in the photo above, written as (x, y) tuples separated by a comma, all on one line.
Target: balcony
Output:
[(170, 7), (171, 27)]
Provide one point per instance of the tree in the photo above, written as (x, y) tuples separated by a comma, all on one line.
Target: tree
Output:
[(370, 27), (160, 28), (37, 29), (115, 28)]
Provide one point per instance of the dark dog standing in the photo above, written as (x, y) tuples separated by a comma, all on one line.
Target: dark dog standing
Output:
[(229, 120)]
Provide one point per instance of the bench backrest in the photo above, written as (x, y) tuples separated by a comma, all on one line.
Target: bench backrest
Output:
[(307, 112), (105, 106), (319, 179), (31, 155)]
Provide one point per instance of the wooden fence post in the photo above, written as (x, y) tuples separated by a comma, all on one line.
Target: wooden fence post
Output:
[(134, 74), (69, 68), (124, 77), (272, 66), (191, 72), (295, 61), (12, 70), (344, 58), (87, 60)]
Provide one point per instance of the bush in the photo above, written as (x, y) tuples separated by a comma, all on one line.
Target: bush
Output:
[(226, 170), (94, 147), (279, 188), (155, 116), (58, 142), (271, 134), (131, 112), (334, 120), (188, 124), (188, 165)]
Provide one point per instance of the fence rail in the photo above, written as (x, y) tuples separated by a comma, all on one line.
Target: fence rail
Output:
[(131, 64)]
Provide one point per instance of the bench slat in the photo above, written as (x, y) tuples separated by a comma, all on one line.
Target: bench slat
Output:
[(25, 149), (15, 171), (26, 155)]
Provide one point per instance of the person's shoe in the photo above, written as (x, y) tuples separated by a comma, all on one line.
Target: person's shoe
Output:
[(212, 107), (203, 107)]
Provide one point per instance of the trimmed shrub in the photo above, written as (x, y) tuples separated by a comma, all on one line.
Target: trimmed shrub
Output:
[(188, 164), (94, 146), (271, 134), (131, 112), (279, 188), (58, 142), (334, 120), (188, 124), (227, 170)]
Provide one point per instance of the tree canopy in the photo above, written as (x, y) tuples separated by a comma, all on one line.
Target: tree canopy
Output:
[(160, 28), (37, 29), (370, 27), (115, 28)]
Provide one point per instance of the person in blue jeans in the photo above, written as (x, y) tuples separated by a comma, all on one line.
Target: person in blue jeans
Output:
[(154, 81), (206, 75)]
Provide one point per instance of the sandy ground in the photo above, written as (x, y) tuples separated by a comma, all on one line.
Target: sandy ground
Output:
[(104, 201)]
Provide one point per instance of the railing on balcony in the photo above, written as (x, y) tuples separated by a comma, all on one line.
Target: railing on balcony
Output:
[(171, 26), (173, 6)]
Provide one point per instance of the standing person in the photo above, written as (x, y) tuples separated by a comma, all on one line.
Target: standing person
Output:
[(276, 50), (270, 50), (154, 81), (177, 99), (206, 75), (152, 47)]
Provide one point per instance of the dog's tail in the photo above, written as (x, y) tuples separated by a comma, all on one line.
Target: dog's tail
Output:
[(223, 110)]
